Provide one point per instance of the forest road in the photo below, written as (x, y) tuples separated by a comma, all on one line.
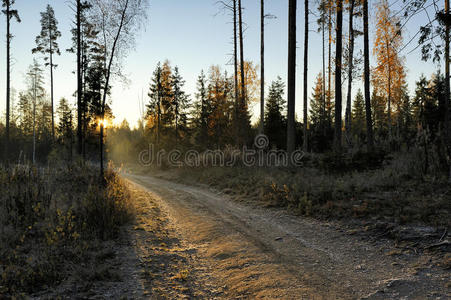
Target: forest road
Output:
[(251, 252)]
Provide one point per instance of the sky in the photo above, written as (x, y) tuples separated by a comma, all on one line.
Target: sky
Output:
[(192, 35)]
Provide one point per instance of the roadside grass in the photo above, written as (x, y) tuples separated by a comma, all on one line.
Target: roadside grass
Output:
[(396, 191), (56, 226)]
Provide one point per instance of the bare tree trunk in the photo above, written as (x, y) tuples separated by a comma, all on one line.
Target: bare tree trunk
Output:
[(159, 111), (338, 61), (329, 77), (51, 88), (176, 124), (306, 13), (262, 63), (350, 67), (101, 150), (235, 64), (447, 86), (323, 104), (83, 102), (291, 134), (8, 77), (79, 82), (389, 94), (107, 82), (243, 104), (34, 119), (366, 54), (243, 83)]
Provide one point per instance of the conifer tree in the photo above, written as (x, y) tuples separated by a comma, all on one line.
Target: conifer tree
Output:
[(46, 43), (358, 116), (10, 14), (201, 111), (275, 120), (180, 102)]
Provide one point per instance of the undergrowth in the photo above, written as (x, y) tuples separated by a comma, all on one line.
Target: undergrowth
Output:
[(396, 191), (52, 220)]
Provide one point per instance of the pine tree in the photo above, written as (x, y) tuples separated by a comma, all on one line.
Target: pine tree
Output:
[(291, 133), (90, 71), (36, 92), (366, 78), (46, 43), (306, 28), (10, 14), (338, 68)]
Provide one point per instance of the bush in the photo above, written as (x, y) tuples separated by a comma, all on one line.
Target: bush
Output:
[(51, 218)]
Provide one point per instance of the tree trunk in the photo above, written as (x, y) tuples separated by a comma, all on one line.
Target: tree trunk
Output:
[(34, 119), (348, 119), (51, 89), (323, 104), (176, 124), (338, 61), (243, 84), (329, 77), (389, 94), (8, 74), (79, 82), (366, 54), (83, 102), (243, 106), (262, 63), (235, 65), (159, 111), (447, 87), (101, 150), (107, 83), (291, 135), (306, 13)]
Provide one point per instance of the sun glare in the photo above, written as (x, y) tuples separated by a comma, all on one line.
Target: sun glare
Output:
[(105, 123)]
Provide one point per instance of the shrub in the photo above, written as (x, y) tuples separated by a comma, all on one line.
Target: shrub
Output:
[(51, 218)]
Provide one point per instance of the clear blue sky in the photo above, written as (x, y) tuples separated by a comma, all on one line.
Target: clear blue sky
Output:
[(191, 34)]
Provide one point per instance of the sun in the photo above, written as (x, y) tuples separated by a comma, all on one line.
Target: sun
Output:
[(105, 123)]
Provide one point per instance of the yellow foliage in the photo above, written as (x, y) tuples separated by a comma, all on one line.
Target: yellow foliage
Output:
[(389, 75), (251, 81)]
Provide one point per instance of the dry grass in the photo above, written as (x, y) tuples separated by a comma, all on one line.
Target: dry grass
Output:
[(53, 221), (395, 192)]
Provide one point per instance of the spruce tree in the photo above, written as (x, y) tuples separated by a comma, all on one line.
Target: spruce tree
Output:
[(180, 102), (275, 120), (201, 110), (358, 117)]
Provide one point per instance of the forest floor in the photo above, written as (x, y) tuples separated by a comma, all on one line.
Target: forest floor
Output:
[(195, 242)]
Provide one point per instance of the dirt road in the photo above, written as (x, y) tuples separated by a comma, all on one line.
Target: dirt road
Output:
[(236, 251)]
